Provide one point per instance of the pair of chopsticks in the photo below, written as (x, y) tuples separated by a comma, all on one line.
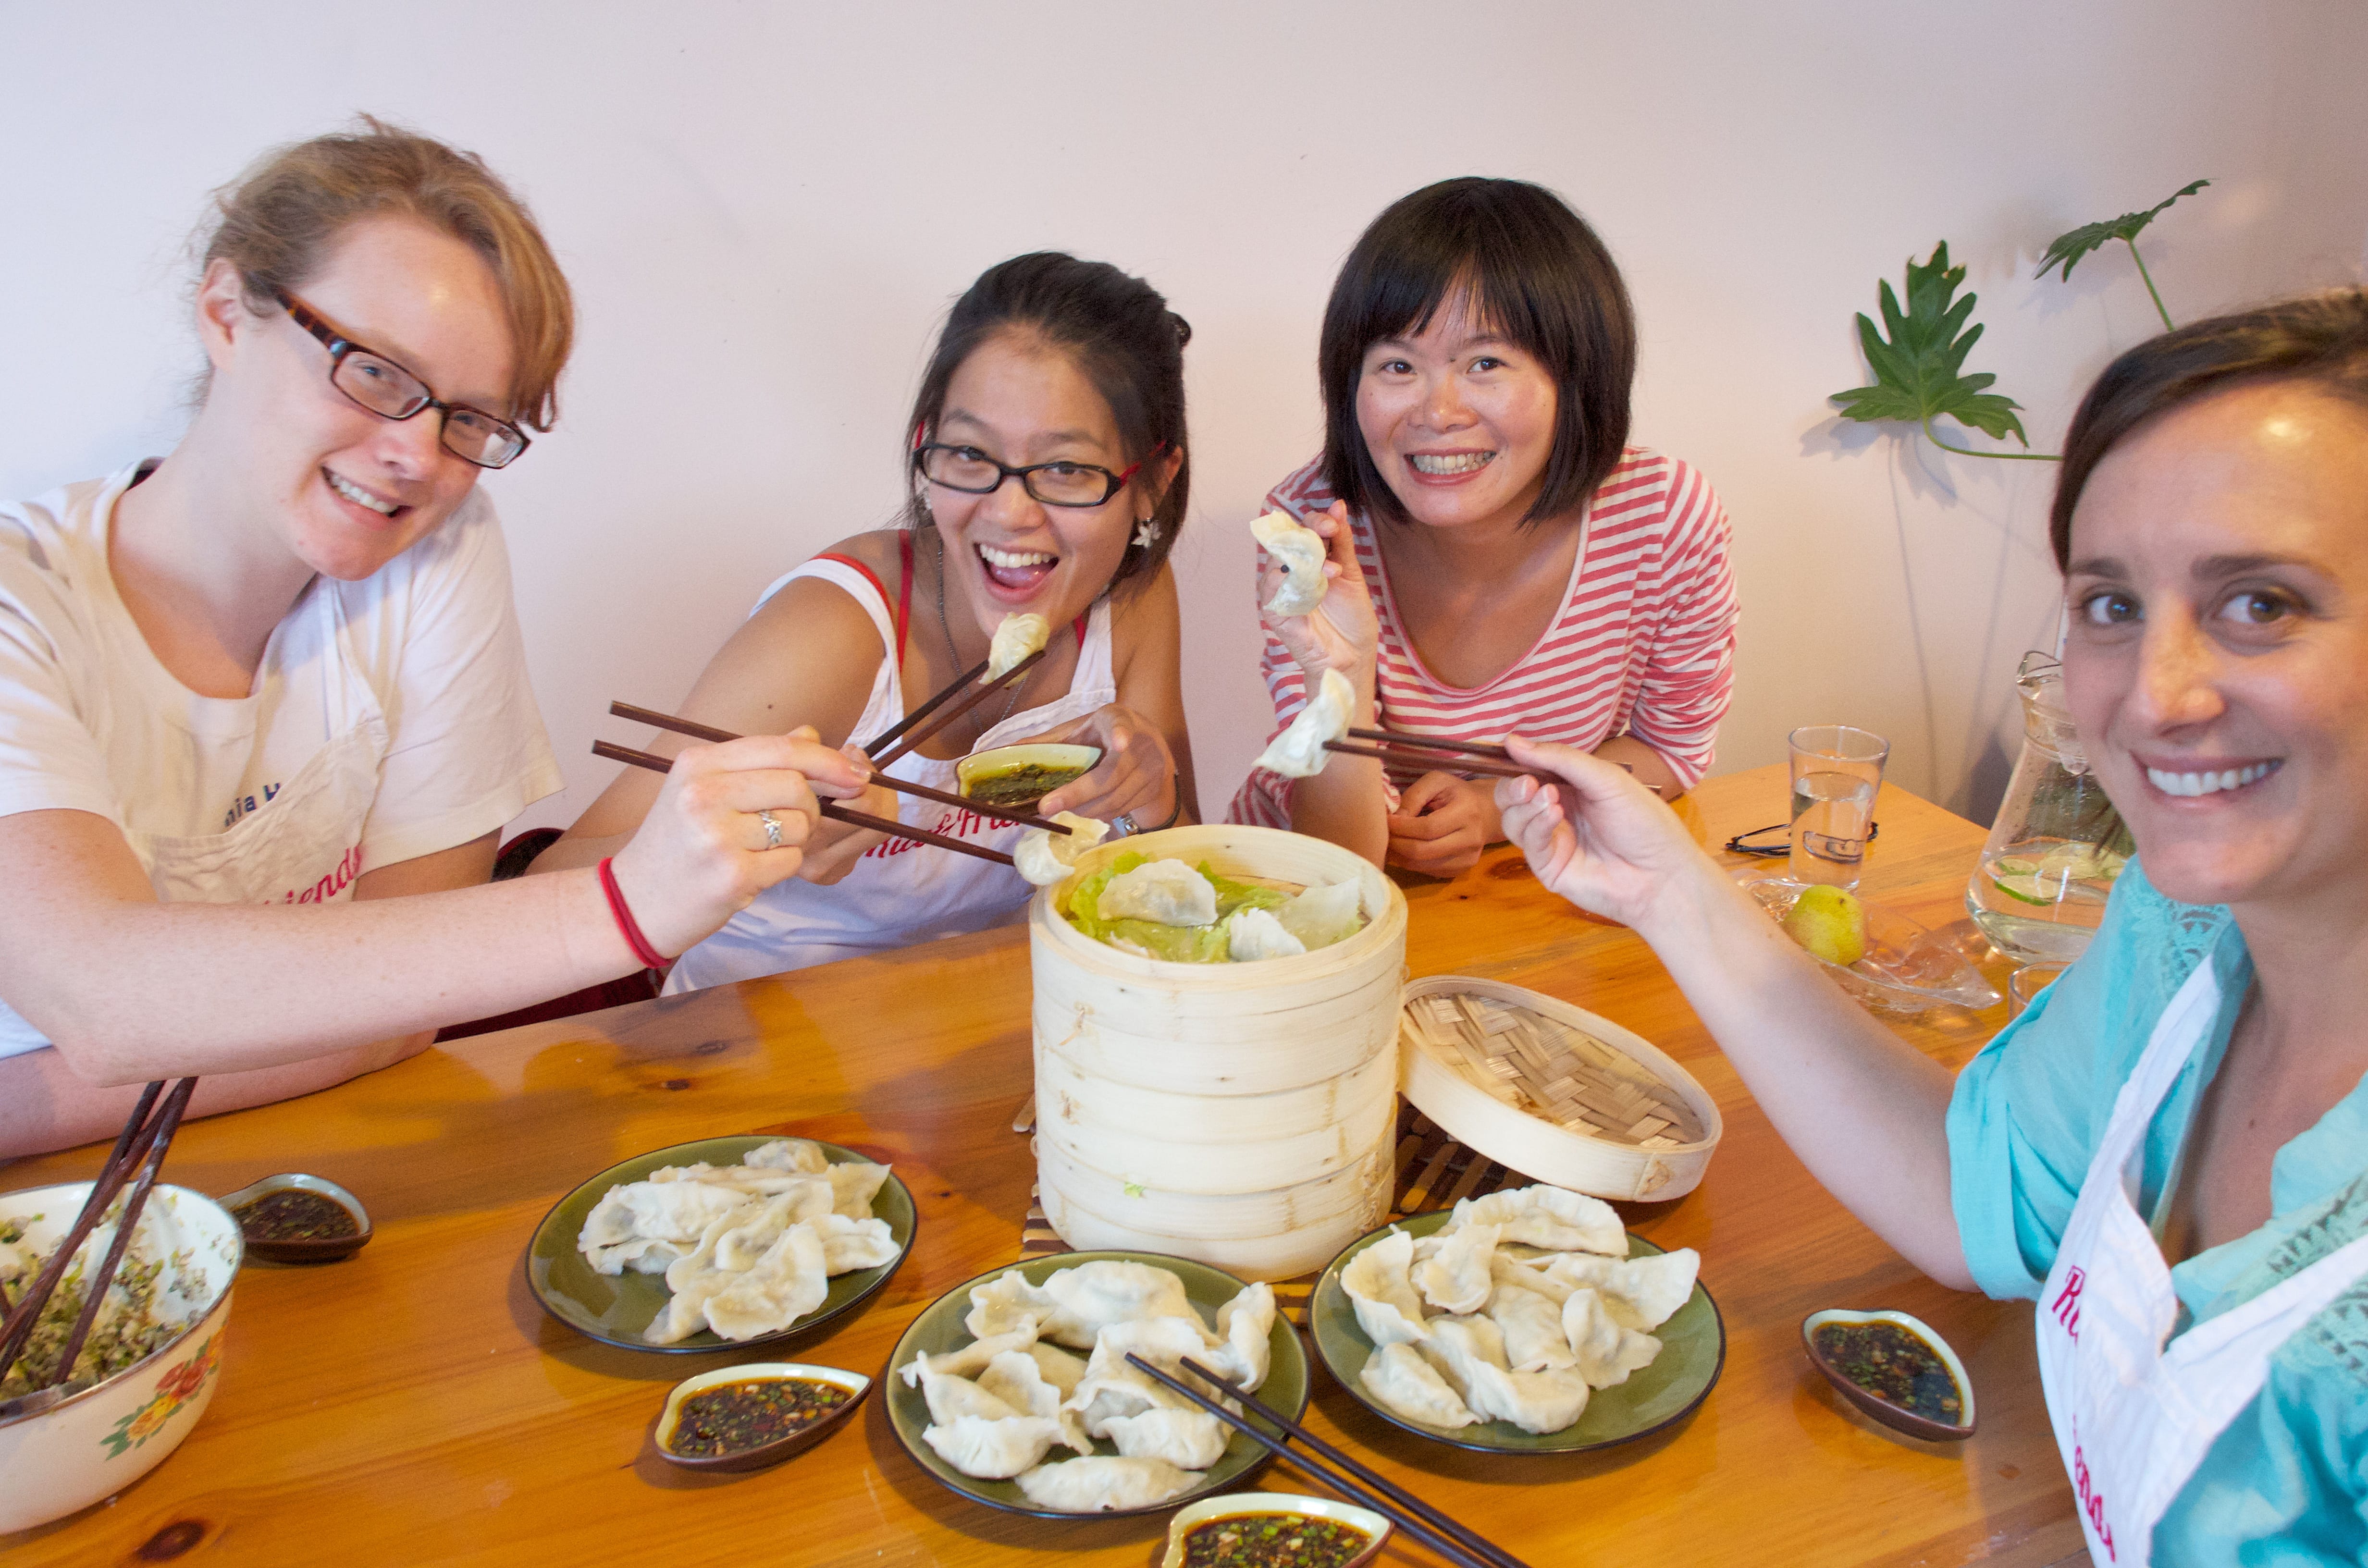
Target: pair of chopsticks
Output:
[(137, 1156), (832, 808), (1469, 756), (912, 737), (1452, 1540)]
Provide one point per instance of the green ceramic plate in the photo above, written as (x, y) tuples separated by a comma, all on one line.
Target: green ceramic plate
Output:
[(1693, 1350), (940, 1329), (615, 1311)]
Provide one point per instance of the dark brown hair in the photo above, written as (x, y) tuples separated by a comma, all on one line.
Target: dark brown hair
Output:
[(1120, 334), (1536, 274), (276, 222), (2320, 340)]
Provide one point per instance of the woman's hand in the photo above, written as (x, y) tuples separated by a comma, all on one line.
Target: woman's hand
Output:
[(1136, 777), (832, 847), (1595, 835), (1342, 633), (1441, 824), (702, 853)]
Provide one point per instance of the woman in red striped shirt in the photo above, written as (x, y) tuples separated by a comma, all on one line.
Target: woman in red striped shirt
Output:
[(1499, 558)]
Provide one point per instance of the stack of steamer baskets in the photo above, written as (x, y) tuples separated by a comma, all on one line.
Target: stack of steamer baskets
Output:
[(1241, 1114)]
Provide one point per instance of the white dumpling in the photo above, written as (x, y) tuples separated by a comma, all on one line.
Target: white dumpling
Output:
[(1640, 1292), (1532, 1327), (1060, 1368), (1015, 637), (1189, 1440), (1298, 751), (1323, 915), (1551, 1217), (1459, 1346), (1536, 1401), (951, 1397), (1244, 1327), (784, 1285), (849, 1244), (1092, 1296), (1455, 1279), (1014, 1377), (993, 1449), (1398, 1376), (1044, 859), (673, 1211), (969, 1360), (1376, 1280), (690, 1280), (1114, 1386), (1169, 892), (751, 1232), (800, 1154), (1009, 1302), (1104, 1481), (1604, 1352), (1300, 553), (1254, 934), (854, 1184)]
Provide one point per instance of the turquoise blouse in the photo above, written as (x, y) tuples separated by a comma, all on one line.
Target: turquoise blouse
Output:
[(2287, 1482)]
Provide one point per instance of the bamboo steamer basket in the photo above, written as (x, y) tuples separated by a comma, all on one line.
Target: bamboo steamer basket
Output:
[(1238, 1114), (1540, 1149)]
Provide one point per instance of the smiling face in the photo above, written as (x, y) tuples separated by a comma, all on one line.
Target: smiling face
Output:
[(1022, 401), (1459, 421), (343, 490), (2217, 663)]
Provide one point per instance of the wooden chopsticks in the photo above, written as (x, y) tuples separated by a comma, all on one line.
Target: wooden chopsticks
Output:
[(1433, 743), (831, 809), (926, 708), (1411, 1514), (985, 689), (140, 1146), (1421, 759), (699, 731)]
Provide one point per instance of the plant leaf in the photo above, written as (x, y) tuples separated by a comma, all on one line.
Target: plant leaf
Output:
[(2066, 249), (1917, 369)]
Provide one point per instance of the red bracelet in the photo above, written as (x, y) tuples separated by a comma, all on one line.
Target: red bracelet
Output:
[(649, 956)]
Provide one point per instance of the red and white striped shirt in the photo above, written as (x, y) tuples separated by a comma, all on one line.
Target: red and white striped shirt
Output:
[(1644, 644)]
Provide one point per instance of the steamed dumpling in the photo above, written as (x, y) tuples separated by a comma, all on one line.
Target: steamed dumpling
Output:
[(1300, 553), (849, 1244), (1044, 859), (1189, 1440), (1604, 1352), (1639, 1292), (1114, 1386), (1103, 1481), (1015, 1378), (1376, 1280), (992, 1448), (1323, 915), (1252, 934), (1551, 1217), (1169, 892), (1092, 1296), (969, 1360), (853, 1185), (1532, 1327), (1058, 1368), (1244, 1327), (1398, 1376), (1298, 751), (951, 1397), (1455, 1279), (1015, 637), (800, 1154), (789, 1281), (1009, 1302)]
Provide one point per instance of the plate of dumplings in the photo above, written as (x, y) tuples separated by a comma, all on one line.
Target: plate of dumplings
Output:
[(1014, 1389), (1526, 1321), (724, 1244)]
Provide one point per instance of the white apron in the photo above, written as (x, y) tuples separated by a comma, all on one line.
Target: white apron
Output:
[(900, 893), (2133, 1416)]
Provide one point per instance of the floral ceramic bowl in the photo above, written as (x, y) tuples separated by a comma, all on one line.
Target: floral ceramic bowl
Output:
[(63, 1456)]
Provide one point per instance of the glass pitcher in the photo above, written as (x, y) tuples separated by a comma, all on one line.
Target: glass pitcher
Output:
[(2058, 845)]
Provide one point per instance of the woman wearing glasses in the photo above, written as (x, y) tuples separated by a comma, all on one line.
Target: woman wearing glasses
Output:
[(252, 693), (1501, 558), (1048, 474)]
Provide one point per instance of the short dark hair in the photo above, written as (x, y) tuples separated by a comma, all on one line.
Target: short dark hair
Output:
[(2320, 340), (1121, 335), (1536, 273)]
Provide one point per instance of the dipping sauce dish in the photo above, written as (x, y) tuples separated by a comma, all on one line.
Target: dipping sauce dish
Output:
[(747, 1418), (1895, 1369)]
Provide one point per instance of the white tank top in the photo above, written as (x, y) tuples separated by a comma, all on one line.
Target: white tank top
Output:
[(900, 891)]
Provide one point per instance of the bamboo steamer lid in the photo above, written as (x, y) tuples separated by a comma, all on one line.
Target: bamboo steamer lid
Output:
[(1603, 1168)]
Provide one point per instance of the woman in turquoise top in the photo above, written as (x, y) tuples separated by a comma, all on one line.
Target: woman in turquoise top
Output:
[(2171, 1148)]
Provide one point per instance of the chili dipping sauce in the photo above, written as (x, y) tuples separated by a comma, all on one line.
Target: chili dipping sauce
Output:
[(291, 1214), (1895, 1366), (733, 1418), (1273, 1541)]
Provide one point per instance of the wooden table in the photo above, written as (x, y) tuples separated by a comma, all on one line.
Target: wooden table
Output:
[(414, 1405)]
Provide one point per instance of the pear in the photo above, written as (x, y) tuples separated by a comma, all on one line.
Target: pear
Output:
[(1830, 924)]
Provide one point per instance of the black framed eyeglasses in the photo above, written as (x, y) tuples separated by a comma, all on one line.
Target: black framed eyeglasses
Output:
[(974, 472), (386, 389), (1741, 844)]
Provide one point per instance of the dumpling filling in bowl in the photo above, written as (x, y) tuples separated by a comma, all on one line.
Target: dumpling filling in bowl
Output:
[(1168, 909)]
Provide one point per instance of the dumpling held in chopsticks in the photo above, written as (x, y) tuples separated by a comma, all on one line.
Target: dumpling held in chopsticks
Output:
[(1298, 751), (1015, 639), (1045, 858), (1300, 553)]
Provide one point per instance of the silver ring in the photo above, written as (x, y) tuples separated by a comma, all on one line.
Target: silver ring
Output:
[(1123, 825), (772, 830)]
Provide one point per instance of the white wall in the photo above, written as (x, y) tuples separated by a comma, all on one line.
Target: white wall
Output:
[(766, 208)]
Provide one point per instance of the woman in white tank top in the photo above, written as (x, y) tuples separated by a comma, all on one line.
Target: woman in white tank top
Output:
[(1048, 475)]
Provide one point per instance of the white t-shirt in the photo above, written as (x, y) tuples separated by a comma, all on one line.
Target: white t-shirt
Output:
[(389, 717)]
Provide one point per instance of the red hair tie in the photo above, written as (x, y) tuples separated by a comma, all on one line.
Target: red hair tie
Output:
[(651, 958)]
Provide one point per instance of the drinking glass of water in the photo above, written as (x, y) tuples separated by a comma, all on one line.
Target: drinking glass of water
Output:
[(1835, 771)]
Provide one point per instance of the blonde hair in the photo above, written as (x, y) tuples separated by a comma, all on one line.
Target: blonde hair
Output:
[(276, 222)]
